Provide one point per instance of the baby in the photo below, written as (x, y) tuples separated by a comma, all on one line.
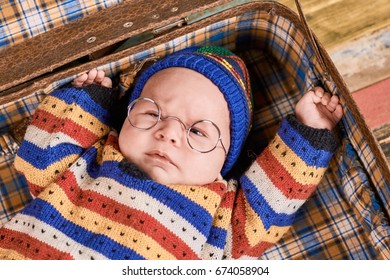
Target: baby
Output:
[(156, 190)]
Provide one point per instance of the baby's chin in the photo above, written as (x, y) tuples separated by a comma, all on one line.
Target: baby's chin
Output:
[(162, 180), (168, 179), (161, 176), (173, 176)]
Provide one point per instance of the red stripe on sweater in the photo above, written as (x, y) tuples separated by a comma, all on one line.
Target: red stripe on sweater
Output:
[(228, 200), (30, 247), (35, 189), (217, 187), (48, 122), (112, 141), (281, 179), (240, 240), (127, 216), (259, 249)]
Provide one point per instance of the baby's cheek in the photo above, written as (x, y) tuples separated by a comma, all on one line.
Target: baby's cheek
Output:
[(207, 169), (125, 146)]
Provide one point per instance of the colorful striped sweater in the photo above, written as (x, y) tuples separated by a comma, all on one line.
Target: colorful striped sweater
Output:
[(91, 203)]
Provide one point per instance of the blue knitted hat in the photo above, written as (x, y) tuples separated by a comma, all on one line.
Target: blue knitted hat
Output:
[(228, 72)]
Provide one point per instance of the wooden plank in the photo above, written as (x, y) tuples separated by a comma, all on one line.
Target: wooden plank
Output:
[(382, 134), (355, 33), (364, 61), (374, 103), (338, 21)]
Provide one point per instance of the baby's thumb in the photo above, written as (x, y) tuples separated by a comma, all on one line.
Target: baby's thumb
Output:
[(314, 97)]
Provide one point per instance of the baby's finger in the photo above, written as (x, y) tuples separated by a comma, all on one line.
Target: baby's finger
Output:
[(338, 112), (107, 82), (319, 91), (316, 99), (91, 76), (334, 101), (99, 76), (325, 99), (79, 81)]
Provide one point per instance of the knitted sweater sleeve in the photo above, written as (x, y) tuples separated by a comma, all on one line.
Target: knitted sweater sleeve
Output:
[(281, 179), (66, 123)]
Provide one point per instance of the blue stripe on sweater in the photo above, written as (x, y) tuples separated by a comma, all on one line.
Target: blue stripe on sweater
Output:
[(84, 100), (217, 237), (42, 158), (46, 213), (302, 147), (186, 208), (262, 208)]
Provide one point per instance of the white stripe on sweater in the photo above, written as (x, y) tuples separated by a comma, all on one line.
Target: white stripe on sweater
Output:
[(274, 197), (60, 241), (44, 139)]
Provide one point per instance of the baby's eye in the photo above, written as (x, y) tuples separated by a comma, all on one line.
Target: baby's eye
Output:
[(153, 114), (197, 132)]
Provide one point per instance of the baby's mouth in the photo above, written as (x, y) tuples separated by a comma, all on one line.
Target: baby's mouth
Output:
[(160, 156)]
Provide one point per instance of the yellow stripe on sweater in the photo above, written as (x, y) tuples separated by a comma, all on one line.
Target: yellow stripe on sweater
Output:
[(295, 166), (98, 224), (8, 254), (75, 113), (201, 195), (111, 154), (255, 231), (42, 177), (222, 218)]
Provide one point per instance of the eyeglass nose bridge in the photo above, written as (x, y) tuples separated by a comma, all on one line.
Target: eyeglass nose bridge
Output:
[(163, 118)]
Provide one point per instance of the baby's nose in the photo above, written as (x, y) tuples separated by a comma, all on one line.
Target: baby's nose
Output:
[(170, 130)]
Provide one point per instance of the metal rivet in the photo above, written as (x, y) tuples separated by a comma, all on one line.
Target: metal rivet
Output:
[(174, 9), (128, 24), (91, 39), (156, 16)]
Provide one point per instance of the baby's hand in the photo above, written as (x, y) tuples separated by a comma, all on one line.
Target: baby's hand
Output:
[(93, 77), (318, 109)]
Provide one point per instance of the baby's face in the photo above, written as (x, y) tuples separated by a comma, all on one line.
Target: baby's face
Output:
[(162, 151)]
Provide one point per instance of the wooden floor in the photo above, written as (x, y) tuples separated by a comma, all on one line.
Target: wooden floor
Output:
[(340, 21), (356, 34), (382, 134), (374, 103)]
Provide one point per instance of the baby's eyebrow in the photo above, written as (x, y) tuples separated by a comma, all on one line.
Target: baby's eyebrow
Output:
[(186, 120), (160, 98)]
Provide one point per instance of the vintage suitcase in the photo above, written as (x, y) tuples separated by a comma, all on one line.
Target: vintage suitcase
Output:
[(346, 218)]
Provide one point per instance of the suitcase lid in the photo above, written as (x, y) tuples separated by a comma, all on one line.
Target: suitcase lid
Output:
[(59, 49), (116, 32)]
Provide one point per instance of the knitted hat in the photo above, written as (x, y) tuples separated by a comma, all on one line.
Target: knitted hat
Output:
[(228, 72)]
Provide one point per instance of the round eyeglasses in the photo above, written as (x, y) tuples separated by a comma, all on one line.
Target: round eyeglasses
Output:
[(202, 136)]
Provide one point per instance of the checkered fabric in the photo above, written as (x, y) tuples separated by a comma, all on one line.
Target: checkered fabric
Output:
[(346, 218)]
